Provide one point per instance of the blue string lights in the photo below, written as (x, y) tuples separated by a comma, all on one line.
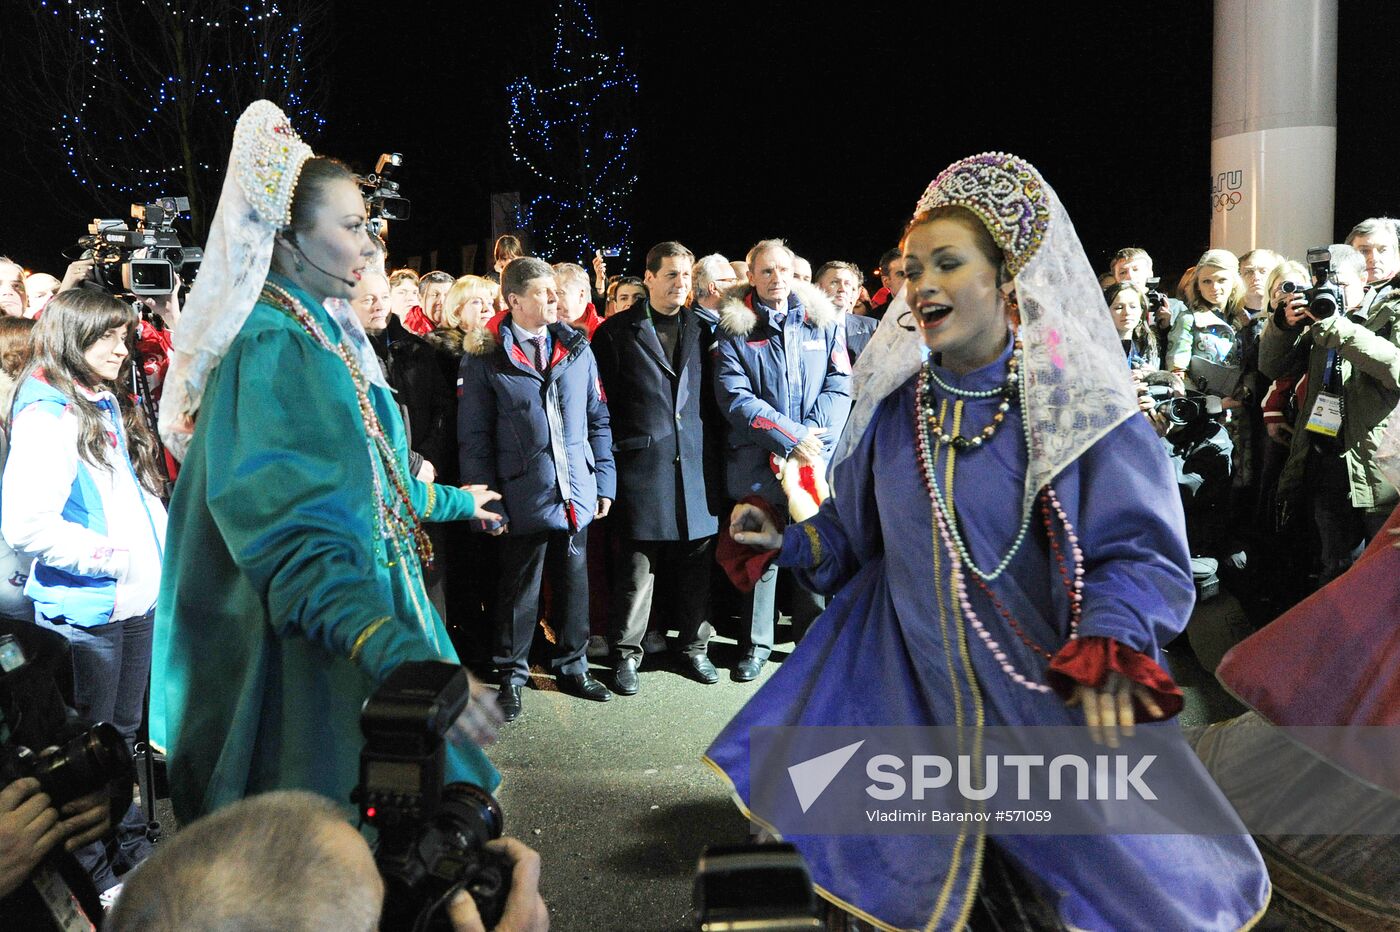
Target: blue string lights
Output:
[(572, 132), (154, 86)]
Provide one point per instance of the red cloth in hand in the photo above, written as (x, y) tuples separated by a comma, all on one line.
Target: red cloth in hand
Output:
[(806, 478), (744, 564), (1088, 661)]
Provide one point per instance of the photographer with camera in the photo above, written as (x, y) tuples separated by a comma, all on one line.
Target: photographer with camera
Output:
[(1377, 240), (1353, 384), (1134, 265), (439, 854), (53, 796), (288, 860)]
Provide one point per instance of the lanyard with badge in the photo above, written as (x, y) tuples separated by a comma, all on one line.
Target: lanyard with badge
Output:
[(1326, 416)]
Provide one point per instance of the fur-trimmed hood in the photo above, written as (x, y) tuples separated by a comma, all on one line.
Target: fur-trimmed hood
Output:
[(478, 341), (737, 316)]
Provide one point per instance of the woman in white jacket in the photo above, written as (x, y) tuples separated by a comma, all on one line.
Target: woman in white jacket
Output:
[(81, 496)]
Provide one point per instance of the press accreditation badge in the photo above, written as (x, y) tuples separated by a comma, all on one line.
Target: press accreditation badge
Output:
[(1326, 417), (62, 904)]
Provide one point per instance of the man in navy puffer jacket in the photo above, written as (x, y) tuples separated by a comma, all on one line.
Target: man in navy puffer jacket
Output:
[(533, 423)]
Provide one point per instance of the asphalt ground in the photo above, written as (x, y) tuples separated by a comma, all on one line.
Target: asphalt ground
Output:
[(615, 797)]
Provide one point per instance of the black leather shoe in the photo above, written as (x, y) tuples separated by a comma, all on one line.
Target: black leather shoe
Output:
[(699, 668), (584, 686), (747, 669), (509, 701), (625, 677)]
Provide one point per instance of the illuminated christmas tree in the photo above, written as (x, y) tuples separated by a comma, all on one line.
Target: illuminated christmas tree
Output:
[(140, 96), (573, 130)]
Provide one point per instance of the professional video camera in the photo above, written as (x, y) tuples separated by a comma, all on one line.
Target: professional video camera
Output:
[(1325, 297), (112, 246), (431, 837), (89, 760), (381, 192)]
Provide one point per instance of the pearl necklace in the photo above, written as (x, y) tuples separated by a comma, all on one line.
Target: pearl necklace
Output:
[(1008, 392)]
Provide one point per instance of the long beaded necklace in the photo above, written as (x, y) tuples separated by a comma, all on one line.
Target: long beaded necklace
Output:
[(929, 432), (960, 559), (396, 522)]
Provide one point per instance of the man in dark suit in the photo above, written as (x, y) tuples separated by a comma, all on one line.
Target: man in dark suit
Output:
[(652, 361), (532, 422), (891, 281), (840, 281)]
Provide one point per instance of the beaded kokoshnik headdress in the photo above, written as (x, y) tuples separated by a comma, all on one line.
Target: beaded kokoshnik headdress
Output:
[(265, 163), (1076, 386)]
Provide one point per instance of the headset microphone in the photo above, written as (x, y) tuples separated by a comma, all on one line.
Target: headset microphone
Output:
[(292, 238)]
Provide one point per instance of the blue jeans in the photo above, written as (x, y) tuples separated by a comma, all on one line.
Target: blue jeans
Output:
[(111, 669)]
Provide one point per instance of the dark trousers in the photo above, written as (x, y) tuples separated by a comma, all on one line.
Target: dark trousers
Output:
[(803, 607), (680, 567), (1343, 529), (525, 559), (111, 669)]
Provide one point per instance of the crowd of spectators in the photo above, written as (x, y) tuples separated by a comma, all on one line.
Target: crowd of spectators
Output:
[(622, 417)]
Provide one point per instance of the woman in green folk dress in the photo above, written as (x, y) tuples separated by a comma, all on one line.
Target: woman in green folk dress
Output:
[(292, 584)]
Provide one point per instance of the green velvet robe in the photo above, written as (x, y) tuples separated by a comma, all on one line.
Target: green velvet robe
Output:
[(266, 644)]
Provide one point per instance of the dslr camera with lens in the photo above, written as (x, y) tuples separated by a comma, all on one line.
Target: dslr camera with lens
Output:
[(432, 838), (88, 760), (1325, 297), (112, 245), (1181, 411)]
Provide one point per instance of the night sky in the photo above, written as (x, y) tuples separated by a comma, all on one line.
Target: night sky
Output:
[(760, 119)]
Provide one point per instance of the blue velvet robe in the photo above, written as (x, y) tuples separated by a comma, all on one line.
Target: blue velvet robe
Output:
[(879, 657)]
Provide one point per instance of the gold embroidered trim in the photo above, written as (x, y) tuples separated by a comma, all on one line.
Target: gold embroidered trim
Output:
[(365, 635), (816, 541), (432, 500)]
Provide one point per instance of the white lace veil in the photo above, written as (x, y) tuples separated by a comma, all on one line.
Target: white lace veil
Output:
[(256, 202), (1077, 384)]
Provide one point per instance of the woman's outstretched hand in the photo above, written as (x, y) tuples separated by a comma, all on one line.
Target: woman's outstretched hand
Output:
[(751, 526), (1108, 710), (481, 497), (480, 720)]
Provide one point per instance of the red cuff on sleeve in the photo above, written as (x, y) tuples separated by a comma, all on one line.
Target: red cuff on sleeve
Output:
[(1088, 661), (744, 564)]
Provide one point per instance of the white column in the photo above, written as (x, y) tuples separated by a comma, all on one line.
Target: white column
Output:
[(1273, 150)]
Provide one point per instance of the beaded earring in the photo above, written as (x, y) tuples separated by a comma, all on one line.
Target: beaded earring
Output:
[(1013, 308)]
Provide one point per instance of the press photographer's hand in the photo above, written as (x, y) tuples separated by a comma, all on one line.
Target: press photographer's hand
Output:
[(525, 910), (1295, 309), (29, 829)]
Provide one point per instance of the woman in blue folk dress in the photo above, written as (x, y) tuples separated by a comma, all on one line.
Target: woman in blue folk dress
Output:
[(1005, 548)]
